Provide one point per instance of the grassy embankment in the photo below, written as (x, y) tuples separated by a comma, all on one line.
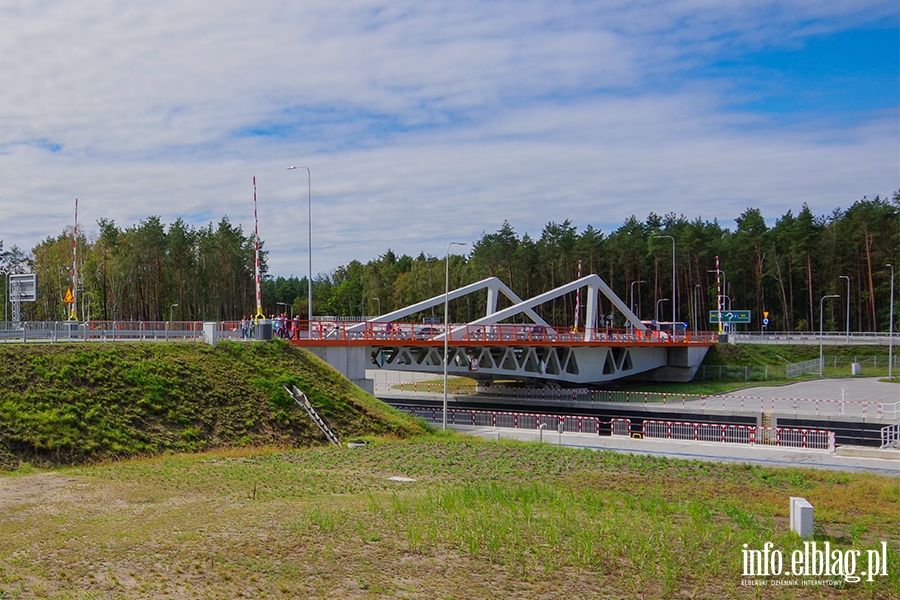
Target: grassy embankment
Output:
[(67, 404), (482, 520)]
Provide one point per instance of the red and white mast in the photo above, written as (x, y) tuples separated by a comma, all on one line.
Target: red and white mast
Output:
[(259, 310), (74, 264), (719, 293)]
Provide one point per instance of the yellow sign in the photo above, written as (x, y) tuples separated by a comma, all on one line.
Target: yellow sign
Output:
[(765, 314), (69, 299)]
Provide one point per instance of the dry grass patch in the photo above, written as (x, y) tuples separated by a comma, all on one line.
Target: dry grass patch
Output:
[(482, 520)]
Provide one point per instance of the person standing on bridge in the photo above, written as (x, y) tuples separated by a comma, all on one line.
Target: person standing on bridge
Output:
[(245, 328), (279, 323)]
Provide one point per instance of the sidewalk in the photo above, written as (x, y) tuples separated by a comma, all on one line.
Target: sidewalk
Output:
[(710, 451)]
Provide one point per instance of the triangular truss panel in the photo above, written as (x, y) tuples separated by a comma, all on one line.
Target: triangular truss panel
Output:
[(494, 288), (595, 286)]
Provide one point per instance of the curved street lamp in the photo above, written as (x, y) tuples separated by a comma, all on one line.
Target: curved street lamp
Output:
[(674, 288), (821, 327), (170, 311), (848, 305), (891, 330), (309, 220), (447, 323), (657, 308), (289, 307), (632, 294), (697, 306)]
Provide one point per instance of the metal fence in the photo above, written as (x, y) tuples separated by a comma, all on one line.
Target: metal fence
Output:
[(819, 439), (831, 338), (735, 373), (802, 368), (678, 430), (103, 331), (890, 436), (509, 420)]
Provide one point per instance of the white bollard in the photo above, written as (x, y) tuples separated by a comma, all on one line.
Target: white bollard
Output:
[(801, 517)]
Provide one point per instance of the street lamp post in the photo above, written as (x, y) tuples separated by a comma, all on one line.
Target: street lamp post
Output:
[(378, 300), (697, 306), (632, 294), (5, 300), (891, 330), (821, 332), (309, 220), (447, 324), (170, 311), (657, 307), (674, 288), (848, 305)]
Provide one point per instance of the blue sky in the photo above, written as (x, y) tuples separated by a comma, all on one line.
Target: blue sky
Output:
[(840, 75), (424, 123)]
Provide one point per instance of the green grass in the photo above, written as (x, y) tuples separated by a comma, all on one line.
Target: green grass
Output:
[(482, 520), (67, 404)]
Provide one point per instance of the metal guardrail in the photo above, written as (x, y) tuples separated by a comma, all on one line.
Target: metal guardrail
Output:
[(102, 331), (351, 332), (890, 436), (740, 434), (830, 338), (690, 431)]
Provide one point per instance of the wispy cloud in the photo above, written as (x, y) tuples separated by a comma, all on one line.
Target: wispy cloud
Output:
[(425, 122)]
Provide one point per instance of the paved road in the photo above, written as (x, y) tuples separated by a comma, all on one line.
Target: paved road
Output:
[(859, 389), (708, 451), (859, 397), (863, 397)]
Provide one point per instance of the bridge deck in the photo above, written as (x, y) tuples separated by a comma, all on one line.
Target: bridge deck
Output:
[(323, 333)]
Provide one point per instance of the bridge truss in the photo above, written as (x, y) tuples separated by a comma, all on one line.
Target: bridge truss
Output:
[(491, 348)]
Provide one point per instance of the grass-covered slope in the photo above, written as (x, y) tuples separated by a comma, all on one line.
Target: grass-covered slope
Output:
[(63, 404), (780, 354)]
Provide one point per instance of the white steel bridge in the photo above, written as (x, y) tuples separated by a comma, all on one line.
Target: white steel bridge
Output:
[(492, 348), (512, 343)]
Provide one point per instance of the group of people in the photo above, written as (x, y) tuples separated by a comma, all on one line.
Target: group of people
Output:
[(282, 327), (286, 328)]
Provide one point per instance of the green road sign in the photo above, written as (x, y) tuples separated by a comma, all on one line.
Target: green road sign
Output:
[(730, 316)]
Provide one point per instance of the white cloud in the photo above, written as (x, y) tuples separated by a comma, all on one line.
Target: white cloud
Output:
[(421, 122)]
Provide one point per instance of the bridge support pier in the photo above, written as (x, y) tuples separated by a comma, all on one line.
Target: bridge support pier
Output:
[(352, 361)]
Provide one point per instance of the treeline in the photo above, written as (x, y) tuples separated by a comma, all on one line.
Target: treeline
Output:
[(147, 272), (784, 270), (152, 272)]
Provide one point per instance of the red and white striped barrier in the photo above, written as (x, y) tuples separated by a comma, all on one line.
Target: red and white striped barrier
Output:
[(739, 434)]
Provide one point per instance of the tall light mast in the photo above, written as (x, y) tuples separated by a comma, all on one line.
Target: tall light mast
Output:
[(259, 310), (74, 264)]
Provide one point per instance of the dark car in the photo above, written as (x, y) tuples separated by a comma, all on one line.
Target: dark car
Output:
[(427, 333), (539, 333)]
